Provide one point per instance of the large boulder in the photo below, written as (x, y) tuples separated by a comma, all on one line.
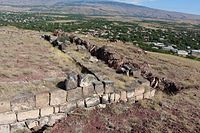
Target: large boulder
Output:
[(87, 80)]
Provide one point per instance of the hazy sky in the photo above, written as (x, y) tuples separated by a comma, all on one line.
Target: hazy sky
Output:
[(187, 6)]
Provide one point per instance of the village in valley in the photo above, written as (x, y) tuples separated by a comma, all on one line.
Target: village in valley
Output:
[(165, 37)]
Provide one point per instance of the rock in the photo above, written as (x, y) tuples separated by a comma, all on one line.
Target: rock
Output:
[(72, 81), (87, 80), (92, 101), (4, 129), (93, 59)]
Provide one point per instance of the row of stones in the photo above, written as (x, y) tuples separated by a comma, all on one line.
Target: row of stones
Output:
[(49, 115)]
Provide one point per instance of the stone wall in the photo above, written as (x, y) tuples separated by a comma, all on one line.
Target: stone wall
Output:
[(26, 111)]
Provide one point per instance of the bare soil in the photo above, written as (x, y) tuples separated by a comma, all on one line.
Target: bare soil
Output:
[(163, 114)]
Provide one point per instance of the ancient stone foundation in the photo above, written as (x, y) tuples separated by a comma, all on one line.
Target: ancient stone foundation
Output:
[(27, 111)]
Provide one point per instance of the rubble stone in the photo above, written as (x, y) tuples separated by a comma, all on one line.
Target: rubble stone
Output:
[(108, 86)]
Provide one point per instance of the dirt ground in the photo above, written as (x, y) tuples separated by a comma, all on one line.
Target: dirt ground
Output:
[(163, 114)]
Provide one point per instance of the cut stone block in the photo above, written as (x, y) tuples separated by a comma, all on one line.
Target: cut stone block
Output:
[(7, 118), (43, 121), (108, 86), (88, 91), (55, 118), (130, 94), (56, 109), (92, 101), (4, 128), (46, 111), (112, 97), (139, 90), (4, 106), (72, 81), (139, 97), (123, 96), (42, 99), (147, 94), (31, 124), (58, 97), (98, 87), (68, 107), (117, 97), (80, 103), (23, 101), (153, 91), (137, 73), (143, 82), (18, 127), (74, 94), (32, 114), (105, 99)]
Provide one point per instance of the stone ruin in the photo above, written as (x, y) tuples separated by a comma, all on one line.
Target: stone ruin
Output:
[(122, 65)]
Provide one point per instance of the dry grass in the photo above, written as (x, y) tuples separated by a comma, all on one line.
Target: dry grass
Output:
[(24, 56), (176, 68)]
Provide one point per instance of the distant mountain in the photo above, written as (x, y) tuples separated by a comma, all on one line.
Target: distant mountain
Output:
[(99, 7)]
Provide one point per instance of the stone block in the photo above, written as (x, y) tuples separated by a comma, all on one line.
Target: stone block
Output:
[(42, 99), (117, 97), (74, 94), (108, 86), (112, 97), (55, 118), (88, 91), (4, 128), (123, 96), (18, 127), (58, 97), (153, 92), (68, 107), (105, 99), (92, 101), (80, 103), (32, 114), (98, 87), (139, 97), (46, 111), (31, 124), (137, 73), (23, 101), (139, 90), (43, 121), (4, 106), (71, 81), (143, 82), (56, 109), (147, 94), (130, 94), (7, 118)]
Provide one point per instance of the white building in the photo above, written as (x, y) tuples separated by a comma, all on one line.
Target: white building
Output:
[(182, 53), (195, 53)]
